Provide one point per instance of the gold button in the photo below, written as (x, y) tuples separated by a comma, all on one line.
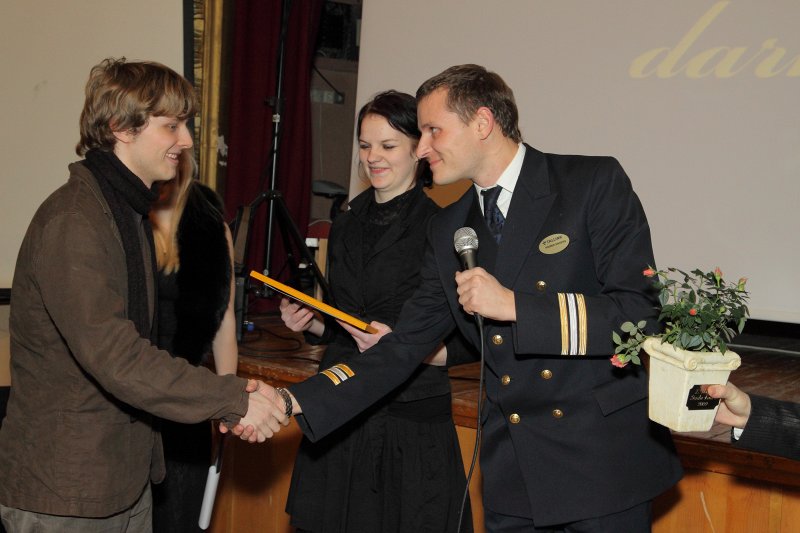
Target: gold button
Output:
[(514, 419), (541, 286), (497, 339), (558, 413), (505, 380), (546, 374)]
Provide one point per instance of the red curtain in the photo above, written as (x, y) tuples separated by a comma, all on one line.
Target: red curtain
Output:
[(254, 74)]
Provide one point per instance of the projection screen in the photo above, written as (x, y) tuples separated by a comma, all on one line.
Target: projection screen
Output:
[(696, 98)]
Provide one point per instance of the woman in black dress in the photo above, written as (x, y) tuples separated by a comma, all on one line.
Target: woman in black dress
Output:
[(195, 317), (397, 467)]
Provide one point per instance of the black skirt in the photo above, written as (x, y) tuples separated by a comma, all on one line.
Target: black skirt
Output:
[(395, 469)]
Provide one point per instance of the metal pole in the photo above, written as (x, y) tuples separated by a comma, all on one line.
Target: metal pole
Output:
[(277, 108)]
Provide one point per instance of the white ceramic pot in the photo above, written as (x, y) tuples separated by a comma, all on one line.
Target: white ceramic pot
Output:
[(677, 380)]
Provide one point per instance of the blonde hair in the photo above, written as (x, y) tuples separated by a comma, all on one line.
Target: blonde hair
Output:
[(172, 197), (122, 96)]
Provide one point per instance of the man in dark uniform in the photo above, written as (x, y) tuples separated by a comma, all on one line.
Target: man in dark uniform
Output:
[(567, 444)]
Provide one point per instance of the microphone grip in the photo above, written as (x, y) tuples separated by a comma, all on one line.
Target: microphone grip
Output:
[(469, 259)]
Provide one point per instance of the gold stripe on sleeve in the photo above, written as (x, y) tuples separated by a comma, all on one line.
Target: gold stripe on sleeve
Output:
[(583, 324), (331, 376), (562, 307), (346, 369)]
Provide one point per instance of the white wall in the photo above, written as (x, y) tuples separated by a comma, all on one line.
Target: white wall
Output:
[(46, 50), (712, 149)]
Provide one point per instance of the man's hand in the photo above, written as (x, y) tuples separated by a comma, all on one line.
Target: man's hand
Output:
[(365, 340), (734, 409), (480, 292), (265, 415)]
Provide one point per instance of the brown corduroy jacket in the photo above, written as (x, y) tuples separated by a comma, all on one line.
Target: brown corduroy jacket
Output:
[(78, 438)]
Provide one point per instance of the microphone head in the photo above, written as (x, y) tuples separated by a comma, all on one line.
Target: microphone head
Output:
[(465, 239)]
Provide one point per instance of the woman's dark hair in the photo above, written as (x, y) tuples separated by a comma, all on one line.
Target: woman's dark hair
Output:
[(400, 111)]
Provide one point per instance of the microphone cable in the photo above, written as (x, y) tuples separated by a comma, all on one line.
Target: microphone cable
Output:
[(465, 242), (477, 430)]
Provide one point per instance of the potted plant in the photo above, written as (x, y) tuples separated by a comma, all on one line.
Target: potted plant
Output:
[(701, 313)]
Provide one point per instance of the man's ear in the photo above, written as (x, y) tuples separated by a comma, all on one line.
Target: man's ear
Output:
[(484, 122), (123, 136)]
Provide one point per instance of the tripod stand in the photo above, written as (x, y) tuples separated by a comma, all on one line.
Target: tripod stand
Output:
[(290, 235), (277, 212)]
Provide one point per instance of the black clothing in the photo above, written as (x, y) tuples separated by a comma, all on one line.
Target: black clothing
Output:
[(191, 303), (773, 428), (566, 436), (397, 467), (200, 290), (124, 191)]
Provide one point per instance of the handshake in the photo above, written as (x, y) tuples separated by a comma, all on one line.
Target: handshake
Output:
[(266, 413)]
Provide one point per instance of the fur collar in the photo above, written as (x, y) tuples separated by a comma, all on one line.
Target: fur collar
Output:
[(204, 276)]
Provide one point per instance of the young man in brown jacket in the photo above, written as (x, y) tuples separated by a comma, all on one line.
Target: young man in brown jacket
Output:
[(78, 448)]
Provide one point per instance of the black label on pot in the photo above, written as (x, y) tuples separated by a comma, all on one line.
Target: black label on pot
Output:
[(699, 399)]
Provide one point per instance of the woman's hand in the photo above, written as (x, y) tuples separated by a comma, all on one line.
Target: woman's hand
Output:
[(438, 356), (300, 318), (365, 340)]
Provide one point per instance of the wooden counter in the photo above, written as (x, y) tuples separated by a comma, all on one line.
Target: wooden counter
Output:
[(724, 488)]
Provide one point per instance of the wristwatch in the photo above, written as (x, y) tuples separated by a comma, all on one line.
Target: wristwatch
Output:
[(287, 401)]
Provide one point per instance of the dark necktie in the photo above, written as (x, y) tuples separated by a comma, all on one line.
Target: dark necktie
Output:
[(491, 213)]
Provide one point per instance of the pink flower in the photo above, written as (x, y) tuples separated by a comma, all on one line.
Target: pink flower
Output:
[(615, 360), (718, 273), (693, 311), (740, 285), (649, 272)]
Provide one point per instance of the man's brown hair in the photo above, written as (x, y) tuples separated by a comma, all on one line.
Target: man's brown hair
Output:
[(122, 96), (470, 87)]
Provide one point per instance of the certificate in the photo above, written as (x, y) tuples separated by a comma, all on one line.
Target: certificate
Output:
[(309, 301)]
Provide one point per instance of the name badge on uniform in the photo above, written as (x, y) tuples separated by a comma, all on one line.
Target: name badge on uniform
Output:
[(552, 244)]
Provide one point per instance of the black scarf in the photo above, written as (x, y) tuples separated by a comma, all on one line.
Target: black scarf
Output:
[(122, 188)]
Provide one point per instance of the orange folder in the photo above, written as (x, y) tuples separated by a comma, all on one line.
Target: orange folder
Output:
[(305, 299)]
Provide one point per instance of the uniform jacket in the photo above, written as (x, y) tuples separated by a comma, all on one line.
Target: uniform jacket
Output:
[(78, 439), (773, 427), (565, 434)]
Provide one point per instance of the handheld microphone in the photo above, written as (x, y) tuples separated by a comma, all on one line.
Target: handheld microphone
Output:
[(465, 241)]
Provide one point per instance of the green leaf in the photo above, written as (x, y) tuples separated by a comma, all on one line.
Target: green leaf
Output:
[(616, 338), (627, 327), (695, 341), (684, 339)]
